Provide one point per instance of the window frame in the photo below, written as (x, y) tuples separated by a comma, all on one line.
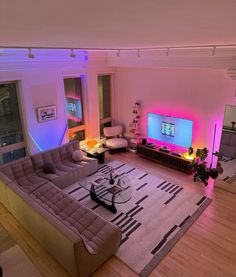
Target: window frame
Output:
[(106, 119), (82, 127), (21, 144)]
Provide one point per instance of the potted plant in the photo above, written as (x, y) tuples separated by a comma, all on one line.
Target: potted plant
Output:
[(201, 171)]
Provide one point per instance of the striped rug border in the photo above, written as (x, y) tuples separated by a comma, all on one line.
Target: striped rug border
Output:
[(169, 245)]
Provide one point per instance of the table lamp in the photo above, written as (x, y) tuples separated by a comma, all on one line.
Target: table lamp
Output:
[(91, 143)]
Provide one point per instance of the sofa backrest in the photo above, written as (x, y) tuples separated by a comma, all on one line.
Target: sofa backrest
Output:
[(78, 218), (56, 155), (16, 170)]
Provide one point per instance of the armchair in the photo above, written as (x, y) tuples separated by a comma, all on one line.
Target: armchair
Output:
[(114, 138)]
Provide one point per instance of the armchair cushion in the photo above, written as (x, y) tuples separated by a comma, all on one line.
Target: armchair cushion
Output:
[(114, 131), (115, 143), (114, 135)]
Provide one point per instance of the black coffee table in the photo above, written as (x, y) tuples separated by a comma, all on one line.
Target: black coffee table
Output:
[(106, 194)]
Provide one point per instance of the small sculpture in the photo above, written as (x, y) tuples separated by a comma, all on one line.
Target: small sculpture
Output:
[(111, 176)]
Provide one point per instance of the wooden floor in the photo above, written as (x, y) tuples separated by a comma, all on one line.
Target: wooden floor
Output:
[(208, 248)]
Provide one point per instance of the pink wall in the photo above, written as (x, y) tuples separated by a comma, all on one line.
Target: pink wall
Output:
[(42, 85), (196, 94)]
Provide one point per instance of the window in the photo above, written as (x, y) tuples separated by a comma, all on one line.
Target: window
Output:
[(12, 146), (74, 106), (104, 93)]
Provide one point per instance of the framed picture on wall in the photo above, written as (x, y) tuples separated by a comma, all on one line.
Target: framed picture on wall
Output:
[(46, 113)]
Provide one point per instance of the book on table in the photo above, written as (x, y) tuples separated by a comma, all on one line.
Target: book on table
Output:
[(114, 189)]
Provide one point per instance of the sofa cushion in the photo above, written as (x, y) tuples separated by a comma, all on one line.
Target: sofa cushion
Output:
[(49, 167), (56, 155), (22, 172), (91, 227), (67, 171), (77, 156)]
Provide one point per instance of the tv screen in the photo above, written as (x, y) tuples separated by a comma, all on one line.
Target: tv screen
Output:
[(170, 129)]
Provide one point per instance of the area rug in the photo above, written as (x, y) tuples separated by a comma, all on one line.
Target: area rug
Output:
[(152, 221)]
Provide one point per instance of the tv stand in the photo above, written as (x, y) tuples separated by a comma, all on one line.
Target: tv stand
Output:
[(164, 158)]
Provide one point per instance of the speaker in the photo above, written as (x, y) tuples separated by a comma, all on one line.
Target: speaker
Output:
[(144, 141)]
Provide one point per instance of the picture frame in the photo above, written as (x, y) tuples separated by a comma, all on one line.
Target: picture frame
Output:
[(46, 113), (98, 181)]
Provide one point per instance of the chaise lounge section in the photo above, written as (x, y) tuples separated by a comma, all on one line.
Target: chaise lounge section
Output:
[(79, 239)]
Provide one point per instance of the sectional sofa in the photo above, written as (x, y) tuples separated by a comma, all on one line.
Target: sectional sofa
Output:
[(79, 239)]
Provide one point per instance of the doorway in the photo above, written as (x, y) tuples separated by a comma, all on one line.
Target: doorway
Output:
[(12, 145)]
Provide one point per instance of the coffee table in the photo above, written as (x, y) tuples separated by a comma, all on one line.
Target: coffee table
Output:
[(106, 194), (97, 153)]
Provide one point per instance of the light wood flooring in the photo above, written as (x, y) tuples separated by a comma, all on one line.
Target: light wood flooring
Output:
[(208, 248)]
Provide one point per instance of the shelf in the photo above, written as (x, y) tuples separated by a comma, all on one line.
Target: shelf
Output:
[(165, 158)]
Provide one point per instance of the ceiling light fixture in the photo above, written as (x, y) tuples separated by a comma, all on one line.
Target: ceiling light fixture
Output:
[(138, 53), (167, 51), (72, 54), (30, 55), (213, 51)]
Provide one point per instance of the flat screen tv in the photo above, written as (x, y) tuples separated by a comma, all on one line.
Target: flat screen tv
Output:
[(172, 130)]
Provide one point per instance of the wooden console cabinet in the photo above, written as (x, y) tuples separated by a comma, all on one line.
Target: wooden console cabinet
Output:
[(164, 158)]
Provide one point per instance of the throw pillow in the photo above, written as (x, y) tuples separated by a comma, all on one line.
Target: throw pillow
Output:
[(49, 167), (77, 156)]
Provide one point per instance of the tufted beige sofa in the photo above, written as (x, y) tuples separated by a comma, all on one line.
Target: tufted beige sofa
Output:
[(67, 171), (78, 238)]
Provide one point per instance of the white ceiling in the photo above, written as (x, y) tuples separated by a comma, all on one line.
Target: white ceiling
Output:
[(116, 23), (124, 24)]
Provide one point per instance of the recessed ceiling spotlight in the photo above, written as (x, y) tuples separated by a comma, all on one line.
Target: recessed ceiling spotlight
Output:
[(213, 51), (167, 51), (118, 53), (138, 53), (72, 54), (30, 55)]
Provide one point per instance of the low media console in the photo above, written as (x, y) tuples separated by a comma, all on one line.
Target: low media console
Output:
[(165, 158)]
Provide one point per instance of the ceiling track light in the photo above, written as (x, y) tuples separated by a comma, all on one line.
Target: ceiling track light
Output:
[(167, 51), (118, 53), (72, 54), (30, 55), (138, 53), (213, 51)]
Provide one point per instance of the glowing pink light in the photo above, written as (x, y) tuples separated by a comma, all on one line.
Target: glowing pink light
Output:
[(174, 112), (73, 118), (73, 97)]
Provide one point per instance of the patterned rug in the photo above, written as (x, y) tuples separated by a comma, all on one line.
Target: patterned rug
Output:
[(152, 221)]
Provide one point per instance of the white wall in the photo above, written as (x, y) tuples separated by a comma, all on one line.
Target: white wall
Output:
[(42, 85), (196, 94)]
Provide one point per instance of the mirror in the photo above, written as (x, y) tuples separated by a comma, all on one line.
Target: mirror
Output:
[(228, 147)]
